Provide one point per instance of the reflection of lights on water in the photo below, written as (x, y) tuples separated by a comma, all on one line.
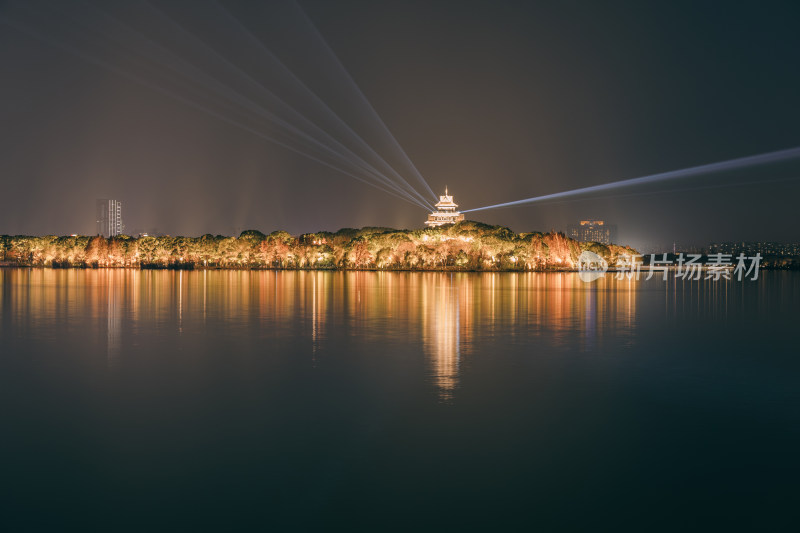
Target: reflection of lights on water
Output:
[(442, 332), (314, 315), (434, 312), (113, 311), (180, 301)]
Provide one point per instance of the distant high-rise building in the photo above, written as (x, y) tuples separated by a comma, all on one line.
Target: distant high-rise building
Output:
[(593, 231), (109, 218), (752, 248)]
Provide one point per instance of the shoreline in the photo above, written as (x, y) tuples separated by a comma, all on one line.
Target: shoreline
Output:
[(288, 269), (611, 270)]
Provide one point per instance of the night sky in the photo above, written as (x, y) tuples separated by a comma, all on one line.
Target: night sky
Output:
[(497, 100)]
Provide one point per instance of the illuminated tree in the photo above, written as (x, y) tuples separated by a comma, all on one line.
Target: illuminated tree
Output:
[(147, 248), (559, 250), (275, 249), (359, 255), (97, 251), (116, 252)]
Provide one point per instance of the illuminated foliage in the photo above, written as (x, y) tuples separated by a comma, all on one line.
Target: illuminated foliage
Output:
[(464, 246)]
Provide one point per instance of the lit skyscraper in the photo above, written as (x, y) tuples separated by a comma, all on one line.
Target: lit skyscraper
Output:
[(593, 231), (109, 218)]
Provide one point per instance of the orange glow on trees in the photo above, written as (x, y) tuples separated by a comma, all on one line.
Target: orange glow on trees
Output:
[(463, 246)]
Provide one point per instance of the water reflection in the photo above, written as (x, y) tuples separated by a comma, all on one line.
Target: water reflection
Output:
[(441, 329), (114, 313), (303, 389), (445, 318)]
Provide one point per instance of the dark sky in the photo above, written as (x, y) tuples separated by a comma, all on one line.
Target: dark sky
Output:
[(497, 100)]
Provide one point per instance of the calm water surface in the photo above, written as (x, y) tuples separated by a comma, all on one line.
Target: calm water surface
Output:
[(140, 400)]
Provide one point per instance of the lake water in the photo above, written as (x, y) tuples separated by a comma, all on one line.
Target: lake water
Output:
[(139, 400)]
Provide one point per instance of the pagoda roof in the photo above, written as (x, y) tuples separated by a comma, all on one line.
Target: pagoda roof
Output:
[(446, 200)]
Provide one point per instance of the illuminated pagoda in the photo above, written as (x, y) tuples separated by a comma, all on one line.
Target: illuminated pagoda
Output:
[(446, 212)]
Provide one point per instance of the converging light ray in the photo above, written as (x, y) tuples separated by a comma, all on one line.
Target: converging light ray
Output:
[(382, 128), (121, 72), (742, 162), (138, 43), (328, 142), (300, 87), (201, 86)]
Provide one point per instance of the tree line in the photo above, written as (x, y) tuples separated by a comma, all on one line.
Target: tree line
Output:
[(464, 246)]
